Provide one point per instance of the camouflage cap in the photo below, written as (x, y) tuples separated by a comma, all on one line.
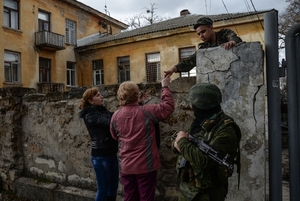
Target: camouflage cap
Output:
[(204, 96), (203, 21)]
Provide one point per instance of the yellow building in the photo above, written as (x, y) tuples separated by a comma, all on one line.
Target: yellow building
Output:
[(38, 39), (141, 55)]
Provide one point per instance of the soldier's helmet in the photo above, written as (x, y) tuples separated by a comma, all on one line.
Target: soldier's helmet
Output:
[(204, 96)]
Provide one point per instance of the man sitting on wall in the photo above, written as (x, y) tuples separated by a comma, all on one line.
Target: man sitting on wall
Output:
[(204, 29)]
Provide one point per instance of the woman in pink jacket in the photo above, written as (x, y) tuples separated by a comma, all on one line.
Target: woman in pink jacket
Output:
[(133, 127)]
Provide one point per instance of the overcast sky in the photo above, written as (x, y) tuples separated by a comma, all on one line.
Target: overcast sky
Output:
[(122, 9)]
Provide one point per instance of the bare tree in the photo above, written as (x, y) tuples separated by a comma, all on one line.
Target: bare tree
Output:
[(135, 21), (143, 19), (152, 18), (288, 19)]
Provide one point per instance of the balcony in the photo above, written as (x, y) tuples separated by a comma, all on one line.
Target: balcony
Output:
[(48, 87), (49, 40)]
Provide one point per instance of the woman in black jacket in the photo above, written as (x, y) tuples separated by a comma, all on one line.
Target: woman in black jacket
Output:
[(104, 148)]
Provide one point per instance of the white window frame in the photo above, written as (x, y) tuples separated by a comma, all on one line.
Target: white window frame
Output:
[(70, 32), (98, 72), (12, 67), (71, 74)]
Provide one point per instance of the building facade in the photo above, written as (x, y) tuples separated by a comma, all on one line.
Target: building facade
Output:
[(38, 39), (141, 55)]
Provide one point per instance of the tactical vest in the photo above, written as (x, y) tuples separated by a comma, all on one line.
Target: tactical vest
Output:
[(204, 178)]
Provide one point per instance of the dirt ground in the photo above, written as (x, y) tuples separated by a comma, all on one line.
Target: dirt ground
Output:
[(8, 196)]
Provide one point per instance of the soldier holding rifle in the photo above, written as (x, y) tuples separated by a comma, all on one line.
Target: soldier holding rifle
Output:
[(209, 150)]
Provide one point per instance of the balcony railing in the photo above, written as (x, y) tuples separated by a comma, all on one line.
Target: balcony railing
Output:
[(45, 88), (49, 40)]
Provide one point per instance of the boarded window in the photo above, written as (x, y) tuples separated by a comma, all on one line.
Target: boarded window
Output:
[(153, 73)]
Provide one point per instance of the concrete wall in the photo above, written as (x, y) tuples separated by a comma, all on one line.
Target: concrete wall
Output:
[(43, 138), (239, 74)]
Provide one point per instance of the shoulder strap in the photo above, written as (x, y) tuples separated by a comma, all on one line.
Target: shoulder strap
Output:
[(156, 124), (148, 114)]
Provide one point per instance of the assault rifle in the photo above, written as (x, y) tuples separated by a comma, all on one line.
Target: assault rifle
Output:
[(209, 151)]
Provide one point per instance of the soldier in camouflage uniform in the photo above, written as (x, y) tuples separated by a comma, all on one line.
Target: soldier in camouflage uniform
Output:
[(201, 178), (204, 28)]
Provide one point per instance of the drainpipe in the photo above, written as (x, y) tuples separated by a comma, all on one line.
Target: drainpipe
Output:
[(292, 48), (273, 92)]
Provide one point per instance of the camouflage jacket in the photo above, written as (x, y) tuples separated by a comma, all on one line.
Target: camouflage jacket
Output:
[(223, 36), (201, 172)]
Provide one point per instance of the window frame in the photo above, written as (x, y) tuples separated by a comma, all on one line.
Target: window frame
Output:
[(123, 68), (153, 73), (98, 72), (192, 72), (44, 22), (70, 32), (8, 12), (12, 69), (71, 80), (44, 71)]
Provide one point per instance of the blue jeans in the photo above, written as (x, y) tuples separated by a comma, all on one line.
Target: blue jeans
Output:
[(107, 176)]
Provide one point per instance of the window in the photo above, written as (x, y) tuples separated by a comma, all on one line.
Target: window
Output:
[(124, 69), (44, 21), (11, 14), (71, 74), (98, 73), (183, 54), (153, 67), (70, 32), (44, 70), (12, 66)]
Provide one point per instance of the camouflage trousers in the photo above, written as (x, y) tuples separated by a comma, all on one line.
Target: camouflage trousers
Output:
[(211, 194)]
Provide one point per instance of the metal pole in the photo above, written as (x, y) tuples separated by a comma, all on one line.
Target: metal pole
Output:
[(293, 76), (273, 91)]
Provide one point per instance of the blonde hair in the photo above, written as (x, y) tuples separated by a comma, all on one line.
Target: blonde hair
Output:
[(87, 96), (128, 93)]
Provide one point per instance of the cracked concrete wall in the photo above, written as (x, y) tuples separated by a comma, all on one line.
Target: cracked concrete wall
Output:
[(42, 136), (239, 73), (11, 157)]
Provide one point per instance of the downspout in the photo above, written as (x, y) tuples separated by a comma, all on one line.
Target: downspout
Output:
[(292, 47), (273, 97)]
